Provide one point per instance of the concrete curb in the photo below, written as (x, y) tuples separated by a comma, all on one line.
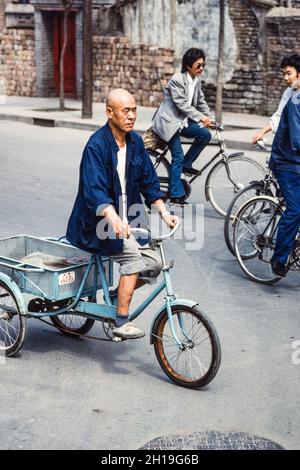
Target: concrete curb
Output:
[(52, 122)]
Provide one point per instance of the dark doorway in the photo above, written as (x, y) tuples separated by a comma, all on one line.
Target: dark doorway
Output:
[(70, 54)]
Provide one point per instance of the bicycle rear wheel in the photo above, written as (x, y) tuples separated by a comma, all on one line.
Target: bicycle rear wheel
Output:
[(69, 323), (220, 190), (160, 163), (162, 167), (250, 191), (12, 324), (198, 361), (254, 237)]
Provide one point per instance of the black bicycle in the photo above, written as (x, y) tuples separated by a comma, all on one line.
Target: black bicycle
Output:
[(267, 186), (254, 235), (229, 174)]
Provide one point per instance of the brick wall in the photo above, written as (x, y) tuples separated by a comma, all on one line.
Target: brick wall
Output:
[(244, 92), (120, 64), (44, 54), (17, 61), (283, 39), (2, 14)]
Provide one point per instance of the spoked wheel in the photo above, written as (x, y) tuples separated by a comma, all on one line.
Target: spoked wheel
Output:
[(12, 323), (220, 189), (250, 191), (196, 363), (70, 323), (161, 164), (254, 237), (162, 167)]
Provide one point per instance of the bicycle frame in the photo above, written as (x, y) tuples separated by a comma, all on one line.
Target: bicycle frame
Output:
[(222, 151)]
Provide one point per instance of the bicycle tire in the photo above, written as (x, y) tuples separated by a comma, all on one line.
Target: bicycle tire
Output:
[(219, 195), (71, 323), (9, 305), (162, 168), (250, 191), (199, 320), (255, 227)]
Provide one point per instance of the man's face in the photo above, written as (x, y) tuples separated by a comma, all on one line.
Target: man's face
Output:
[(197, 68), (290, 74), (122, 114)]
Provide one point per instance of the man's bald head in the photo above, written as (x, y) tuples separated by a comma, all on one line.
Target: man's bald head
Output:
[(118, 97), (121, 110)]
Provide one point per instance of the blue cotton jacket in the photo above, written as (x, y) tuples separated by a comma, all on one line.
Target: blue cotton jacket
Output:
[(99, 186), (286, 145)]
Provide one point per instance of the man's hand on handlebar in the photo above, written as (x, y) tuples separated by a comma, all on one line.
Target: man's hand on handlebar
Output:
[(170, 220), (257, 137), (206, 121), (122, 229)]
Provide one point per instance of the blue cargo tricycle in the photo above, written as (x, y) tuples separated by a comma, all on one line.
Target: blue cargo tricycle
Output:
[(185, 341)]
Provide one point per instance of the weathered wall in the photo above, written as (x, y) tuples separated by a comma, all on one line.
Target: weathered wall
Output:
[(138, 68), (17, 62), (181, 25), (2, 15), (189, 23), (283, 38), (244, 91)]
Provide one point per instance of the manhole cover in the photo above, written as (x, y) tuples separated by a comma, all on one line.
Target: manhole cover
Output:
[(212, 440)]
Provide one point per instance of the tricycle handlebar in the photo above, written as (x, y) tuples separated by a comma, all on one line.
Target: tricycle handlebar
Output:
[(143, 231)]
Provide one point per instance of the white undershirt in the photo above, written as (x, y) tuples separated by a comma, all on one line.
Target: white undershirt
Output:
[(121, 168), (192, 84), (191, 90)]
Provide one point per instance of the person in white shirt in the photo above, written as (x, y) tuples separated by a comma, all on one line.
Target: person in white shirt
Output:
[(290, 74)]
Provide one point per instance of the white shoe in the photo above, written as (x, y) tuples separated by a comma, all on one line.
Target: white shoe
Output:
[(128, 331)]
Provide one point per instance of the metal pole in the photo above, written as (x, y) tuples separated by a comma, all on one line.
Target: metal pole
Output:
[(87, 75), (220, 65)]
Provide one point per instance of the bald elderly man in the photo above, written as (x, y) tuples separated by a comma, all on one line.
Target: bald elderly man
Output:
[(115, 171)]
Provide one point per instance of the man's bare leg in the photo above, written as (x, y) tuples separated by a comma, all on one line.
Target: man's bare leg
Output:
[(127, 285), (123, 328)]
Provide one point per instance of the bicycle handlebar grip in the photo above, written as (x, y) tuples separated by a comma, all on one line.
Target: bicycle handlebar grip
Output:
[(163, 237)]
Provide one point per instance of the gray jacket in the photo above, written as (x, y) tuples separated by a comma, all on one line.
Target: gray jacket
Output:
[(174, 108)]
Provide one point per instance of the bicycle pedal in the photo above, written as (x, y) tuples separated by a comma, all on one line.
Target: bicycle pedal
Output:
[(118, 339)]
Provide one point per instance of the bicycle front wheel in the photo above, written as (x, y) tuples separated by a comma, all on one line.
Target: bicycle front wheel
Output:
[(250, 191), (254, 237), (227, 178), (197, 361)]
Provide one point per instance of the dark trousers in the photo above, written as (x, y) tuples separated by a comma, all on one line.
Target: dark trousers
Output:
[(289, 223), (202, 136)]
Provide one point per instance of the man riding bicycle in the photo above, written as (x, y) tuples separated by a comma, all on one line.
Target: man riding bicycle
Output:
[(184, 109), (285, 164)]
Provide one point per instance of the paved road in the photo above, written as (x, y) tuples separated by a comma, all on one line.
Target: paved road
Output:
[(77, 394)]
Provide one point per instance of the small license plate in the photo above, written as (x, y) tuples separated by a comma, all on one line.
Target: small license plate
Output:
[(66, 278)]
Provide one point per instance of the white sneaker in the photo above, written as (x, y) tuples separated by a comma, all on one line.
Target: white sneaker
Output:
[(128, 331)]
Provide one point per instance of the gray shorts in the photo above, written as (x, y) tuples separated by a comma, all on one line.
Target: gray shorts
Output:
[(137, 259)]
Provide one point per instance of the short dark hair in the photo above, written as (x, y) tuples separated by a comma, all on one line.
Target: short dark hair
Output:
[(291, 61), (190, 56)]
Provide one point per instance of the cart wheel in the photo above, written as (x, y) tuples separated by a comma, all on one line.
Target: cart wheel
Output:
[(70, 324), (197, 361), (12, 323)]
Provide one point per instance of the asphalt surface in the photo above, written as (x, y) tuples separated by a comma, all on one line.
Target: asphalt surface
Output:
[(67, 393)]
